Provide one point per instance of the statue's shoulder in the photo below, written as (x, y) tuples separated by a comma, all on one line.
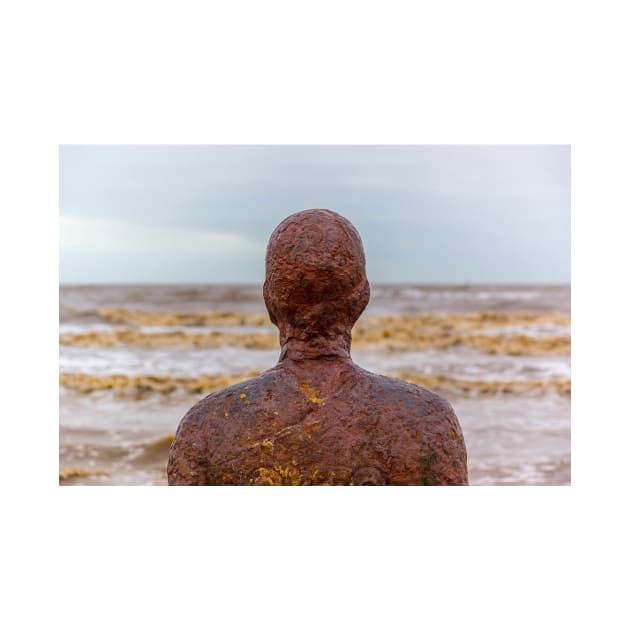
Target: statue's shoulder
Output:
[(402, 393)]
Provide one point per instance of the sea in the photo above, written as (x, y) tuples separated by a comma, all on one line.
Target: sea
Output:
[(134, 359)]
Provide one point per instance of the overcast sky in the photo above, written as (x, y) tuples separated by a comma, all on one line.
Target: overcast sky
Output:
[(203, 214)]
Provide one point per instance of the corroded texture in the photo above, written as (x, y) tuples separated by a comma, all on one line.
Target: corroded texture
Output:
[(316, 417)]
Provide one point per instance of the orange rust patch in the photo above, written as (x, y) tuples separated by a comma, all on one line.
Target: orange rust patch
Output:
[(311, 393)]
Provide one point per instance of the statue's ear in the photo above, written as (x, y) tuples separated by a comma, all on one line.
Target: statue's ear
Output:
[(272, 316), (363, 299)]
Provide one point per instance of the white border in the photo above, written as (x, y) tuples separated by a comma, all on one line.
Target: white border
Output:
[(346, 72)]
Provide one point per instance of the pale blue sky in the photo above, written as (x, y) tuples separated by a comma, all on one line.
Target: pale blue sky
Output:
[(203, 214)]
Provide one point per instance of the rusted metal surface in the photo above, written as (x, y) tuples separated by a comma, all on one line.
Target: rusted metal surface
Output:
[(316, 418)]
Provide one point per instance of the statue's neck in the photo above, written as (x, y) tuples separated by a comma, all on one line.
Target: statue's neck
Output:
[(302, 346)]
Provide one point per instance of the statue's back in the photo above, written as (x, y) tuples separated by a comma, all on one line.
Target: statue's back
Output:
[(342, 425)]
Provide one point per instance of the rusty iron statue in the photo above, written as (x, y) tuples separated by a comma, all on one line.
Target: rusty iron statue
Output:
[(316, 418)]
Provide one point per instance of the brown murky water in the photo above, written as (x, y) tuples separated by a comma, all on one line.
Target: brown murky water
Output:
[(133, 359)]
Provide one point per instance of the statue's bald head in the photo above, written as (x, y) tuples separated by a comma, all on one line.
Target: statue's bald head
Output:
[(315, 274)]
